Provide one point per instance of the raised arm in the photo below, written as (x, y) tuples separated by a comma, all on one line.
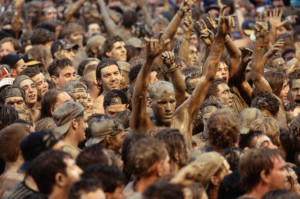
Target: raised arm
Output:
[(185, 42), (139, 118), (171, 29), (257, 66), (69, 12), (176, 77), (110, 25), (198, 96), (240, 75), (274, 48), (275, 23), (15, 23), (145, 11)]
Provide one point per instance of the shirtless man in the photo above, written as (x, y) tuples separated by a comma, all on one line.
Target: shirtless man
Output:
[(108, 77), (162, 95)]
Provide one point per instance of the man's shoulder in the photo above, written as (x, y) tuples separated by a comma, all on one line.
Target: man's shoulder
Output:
[(19, 191)]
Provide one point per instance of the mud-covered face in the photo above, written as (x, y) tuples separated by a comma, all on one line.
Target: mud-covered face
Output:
[(163, 104), (295, 91)]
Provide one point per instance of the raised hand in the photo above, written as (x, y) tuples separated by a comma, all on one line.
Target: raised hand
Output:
[(246, 55), (185, 6), (188, 24), (275, 19), (18, 3), (155, 46), (225, 23), (261, 28), (212, 22), (206, 35)]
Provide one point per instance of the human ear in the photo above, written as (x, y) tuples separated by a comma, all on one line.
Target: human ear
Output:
[(60, 180), (54, 79), (13, 72), (215, 180), (264, 177), (108, 54)]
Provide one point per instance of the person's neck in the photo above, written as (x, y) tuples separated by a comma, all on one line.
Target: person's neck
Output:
[(31, 107), (213, 192), (14, 166), (158, 123), (70, 140), (38, 105), (29, 181), (144, 182), (94, 92), (258, 191), (58, 193)]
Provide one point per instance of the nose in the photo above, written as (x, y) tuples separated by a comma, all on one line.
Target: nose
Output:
[(168, 107)]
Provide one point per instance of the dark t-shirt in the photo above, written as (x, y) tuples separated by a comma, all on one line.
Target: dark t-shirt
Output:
[(20, 191)]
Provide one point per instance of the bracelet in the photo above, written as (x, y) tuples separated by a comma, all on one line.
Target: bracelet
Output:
[(172, 68), (260, 45)]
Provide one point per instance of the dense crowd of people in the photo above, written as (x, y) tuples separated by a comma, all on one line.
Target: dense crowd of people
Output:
[(150, 99)]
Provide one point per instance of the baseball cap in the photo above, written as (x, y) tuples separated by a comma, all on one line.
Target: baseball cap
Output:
[(209, 163), (4, 70), (248, 26), (74, 87), (246, 117), (6, 82), (136, 42), (102, 128), (125, 66), (64, 114), (62, 44), (34, 144), (13, 91), (29, 61), (11, 59)]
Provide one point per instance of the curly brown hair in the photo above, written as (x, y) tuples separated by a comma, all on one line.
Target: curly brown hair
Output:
[(223, 129)]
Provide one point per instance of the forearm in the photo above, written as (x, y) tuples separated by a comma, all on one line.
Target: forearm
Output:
[(179, 86), (184, 48), (173, 25), (235, 55), (139, 119), (69, 12), (257, 67), (147, 15), (108, 22), (15, 23)]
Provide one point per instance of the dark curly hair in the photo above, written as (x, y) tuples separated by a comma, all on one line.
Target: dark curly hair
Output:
[(175, 145), (223, 129), (266, 101)]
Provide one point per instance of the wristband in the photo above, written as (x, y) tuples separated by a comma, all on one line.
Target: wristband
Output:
[(172, 68)]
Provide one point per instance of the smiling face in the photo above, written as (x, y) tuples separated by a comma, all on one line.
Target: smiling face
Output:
[(30, 91), (110, 78), (295, 91)]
